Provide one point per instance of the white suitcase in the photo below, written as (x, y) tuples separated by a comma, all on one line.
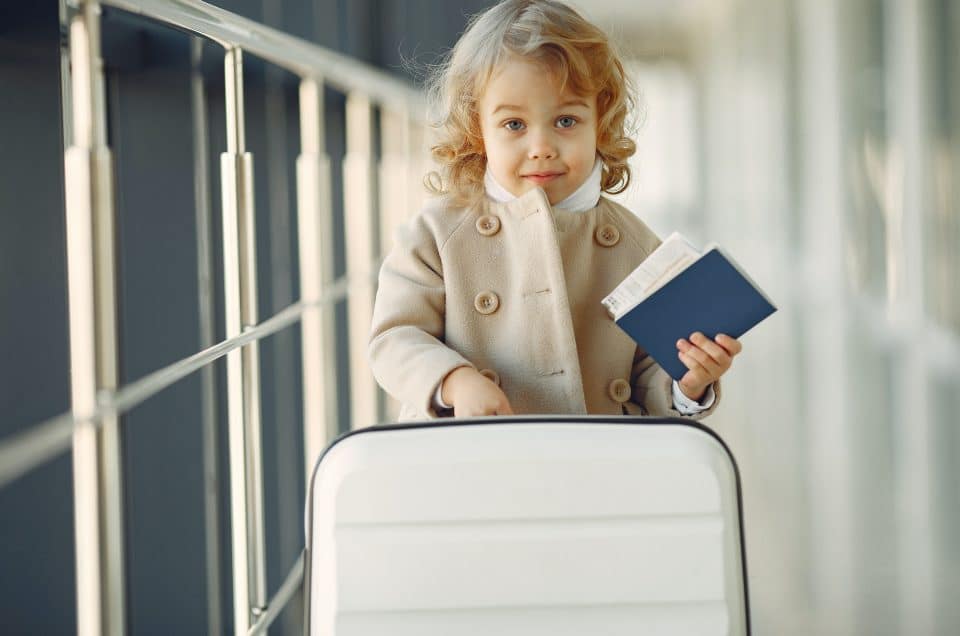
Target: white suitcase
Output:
[(559, 526)]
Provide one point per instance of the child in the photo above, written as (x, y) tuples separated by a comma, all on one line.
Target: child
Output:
[(489, 303)]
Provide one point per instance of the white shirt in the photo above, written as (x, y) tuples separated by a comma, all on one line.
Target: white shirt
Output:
[(585, 198)]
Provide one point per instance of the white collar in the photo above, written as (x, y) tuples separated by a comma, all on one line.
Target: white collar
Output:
[(584, 198)]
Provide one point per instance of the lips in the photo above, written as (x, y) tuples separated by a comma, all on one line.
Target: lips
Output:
[(542, 177)]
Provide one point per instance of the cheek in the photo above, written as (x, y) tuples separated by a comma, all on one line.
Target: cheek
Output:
[(501, 156), (586, 150)]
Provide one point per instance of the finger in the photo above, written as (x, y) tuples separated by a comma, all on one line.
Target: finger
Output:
[(492, 409), (709, 364), (503, 404), (700, 374), (477, 410), (712, 349), (732, 345)]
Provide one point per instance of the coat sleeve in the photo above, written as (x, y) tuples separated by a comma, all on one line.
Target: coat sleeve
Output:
[(653, 389), (407, 353)]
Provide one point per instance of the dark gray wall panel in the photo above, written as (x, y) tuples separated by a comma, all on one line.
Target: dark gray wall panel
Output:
[(36, 511), (151, 137)]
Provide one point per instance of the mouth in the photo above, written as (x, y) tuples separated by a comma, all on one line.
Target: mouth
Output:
[(542, 177)]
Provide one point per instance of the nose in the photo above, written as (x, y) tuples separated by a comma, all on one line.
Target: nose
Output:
[(542, 146)]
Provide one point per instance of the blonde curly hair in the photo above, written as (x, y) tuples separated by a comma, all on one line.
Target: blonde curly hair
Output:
[(548, 32)]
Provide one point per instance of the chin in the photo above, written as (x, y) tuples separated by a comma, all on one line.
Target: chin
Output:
[(555, 198)]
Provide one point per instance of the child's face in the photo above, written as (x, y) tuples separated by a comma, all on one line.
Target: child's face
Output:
[(534, 135)]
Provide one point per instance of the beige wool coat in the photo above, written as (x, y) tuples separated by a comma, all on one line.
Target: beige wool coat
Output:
[(513, 290)]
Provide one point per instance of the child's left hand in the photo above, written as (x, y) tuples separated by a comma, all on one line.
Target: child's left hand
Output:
[(707, 360)]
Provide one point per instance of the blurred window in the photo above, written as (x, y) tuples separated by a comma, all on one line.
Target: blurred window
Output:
[(664, 179), (942, 222), (868, 158)]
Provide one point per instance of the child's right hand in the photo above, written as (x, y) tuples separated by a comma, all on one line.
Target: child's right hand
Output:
[(472, 394)]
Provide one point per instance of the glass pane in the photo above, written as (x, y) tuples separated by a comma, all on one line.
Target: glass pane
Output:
[(943, 215), (873, 387), (945, 453), (866, 151)]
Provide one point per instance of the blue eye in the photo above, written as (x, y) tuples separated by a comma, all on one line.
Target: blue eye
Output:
[(514, 124), (566, 122)]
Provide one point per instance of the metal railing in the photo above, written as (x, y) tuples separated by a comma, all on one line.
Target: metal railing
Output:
[(92, 427)]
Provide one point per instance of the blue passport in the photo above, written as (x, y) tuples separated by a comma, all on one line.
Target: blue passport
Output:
[(710, 295)]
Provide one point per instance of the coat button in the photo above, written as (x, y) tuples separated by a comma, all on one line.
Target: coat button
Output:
[(619, 390), (486, 302), (491, 375), (607, 235), (488, 225)]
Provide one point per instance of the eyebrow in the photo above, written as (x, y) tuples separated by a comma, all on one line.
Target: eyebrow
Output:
[(575, 102), (505, 107), (572, 102)]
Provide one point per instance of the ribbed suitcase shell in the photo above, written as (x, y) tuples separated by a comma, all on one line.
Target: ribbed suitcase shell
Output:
[(533, 526)]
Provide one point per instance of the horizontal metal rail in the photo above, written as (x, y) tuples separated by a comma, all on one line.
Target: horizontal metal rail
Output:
[(290, 585), (296, 55), (38, 444), (42, 442)]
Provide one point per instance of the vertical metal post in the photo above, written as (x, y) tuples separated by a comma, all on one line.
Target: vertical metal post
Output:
[(395, 159), (243, 366), (315, 221), (909, 133), (419, 163), (211, 489), (93, 337), (358, 201)]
